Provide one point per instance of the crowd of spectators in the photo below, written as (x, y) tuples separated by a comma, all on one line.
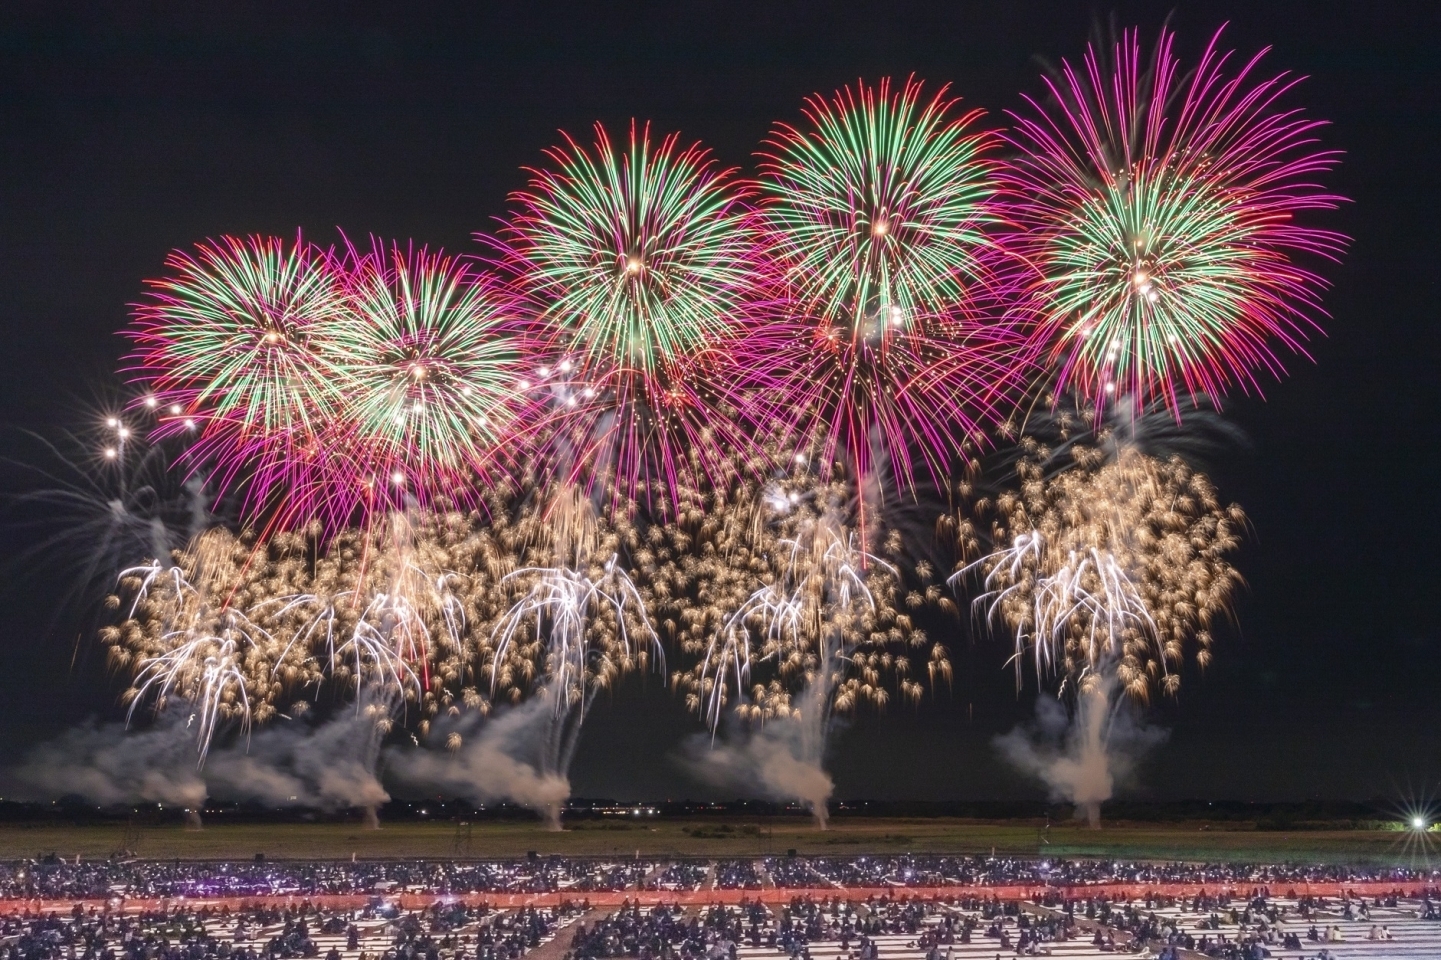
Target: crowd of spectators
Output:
[(1213, 925), (718, 932), (55, 878), (737, 875), (941, 871), (59, 878), (379, 932), (653, 933), (684, 875)]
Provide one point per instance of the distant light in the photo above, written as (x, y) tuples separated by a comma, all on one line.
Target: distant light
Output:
[(565, 366), (151, 402), (524, 384), (189, 424), (633, 265), (112, 422), (123, 432), (1418, 822), (880, 228), (397, 478), (110, 453), (175, 409)]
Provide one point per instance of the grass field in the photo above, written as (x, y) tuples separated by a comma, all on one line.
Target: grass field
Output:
[(709, 838)]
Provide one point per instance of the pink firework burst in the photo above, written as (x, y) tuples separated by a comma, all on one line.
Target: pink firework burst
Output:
[(1158, 214), (641, 261), (225, 348), (890, 346), (431, 357)]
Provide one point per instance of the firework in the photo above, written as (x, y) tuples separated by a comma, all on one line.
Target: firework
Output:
[(882, 212), (573, 601), (1159, 215), (429, 358), (767, 587), (643, 265), (187, 643), (224, 347), (100, 502), (1111, 567)]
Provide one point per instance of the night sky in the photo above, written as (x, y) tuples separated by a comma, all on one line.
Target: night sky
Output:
[(126, 134)]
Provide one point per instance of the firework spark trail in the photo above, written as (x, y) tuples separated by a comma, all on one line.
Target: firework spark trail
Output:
[(1113, 567), (582, 615), (560, 604), (1117, 564), (201, 655), (789, 621), (754, 585), (1159, 216), (808, 608)]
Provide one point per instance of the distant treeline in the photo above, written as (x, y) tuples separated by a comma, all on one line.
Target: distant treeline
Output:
[(1288, 815)]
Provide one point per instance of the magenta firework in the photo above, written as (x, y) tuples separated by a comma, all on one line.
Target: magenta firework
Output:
[(642, 264), (882, 209), (888, 286), (324, 387), (226, 347), (1158, 212)]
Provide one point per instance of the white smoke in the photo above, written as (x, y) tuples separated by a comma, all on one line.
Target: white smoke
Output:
[(1083, 757), (511, 756), (106, 764), (327, 766), (782, 759), (330, 765)]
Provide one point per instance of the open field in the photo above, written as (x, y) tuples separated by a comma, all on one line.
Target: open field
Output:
[(708, 838)]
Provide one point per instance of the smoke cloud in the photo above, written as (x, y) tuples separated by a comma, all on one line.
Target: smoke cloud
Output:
[(106, 764), (782, 760), (329, 765), (1082, 758), (508, 757)]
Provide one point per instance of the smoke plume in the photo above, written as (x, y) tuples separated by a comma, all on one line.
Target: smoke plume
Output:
[(107, 764), (512, 756), (1082, 757), (329, 765), (782, 760)]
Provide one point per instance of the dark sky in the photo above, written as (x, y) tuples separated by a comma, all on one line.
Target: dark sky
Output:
[(130, 129)]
